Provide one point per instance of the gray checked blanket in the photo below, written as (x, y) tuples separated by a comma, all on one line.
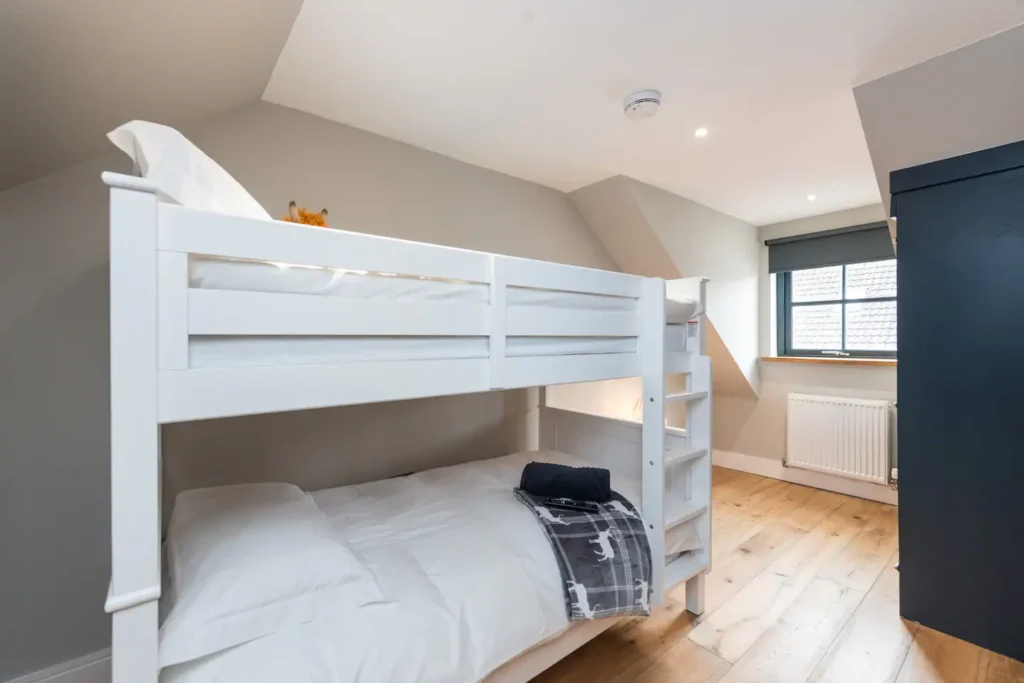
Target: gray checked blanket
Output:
[(604, 557)]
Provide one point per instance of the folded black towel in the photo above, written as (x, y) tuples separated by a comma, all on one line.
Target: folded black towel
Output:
[(547, 479)]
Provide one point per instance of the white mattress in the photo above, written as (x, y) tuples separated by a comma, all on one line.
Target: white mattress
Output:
[(470, 578), (208, 273)]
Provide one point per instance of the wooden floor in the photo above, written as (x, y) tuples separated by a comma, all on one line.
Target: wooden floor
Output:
[(803, 589)]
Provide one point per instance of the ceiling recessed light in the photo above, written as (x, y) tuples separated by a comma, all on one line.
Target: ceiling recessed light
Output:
[(701, 132), (811, 197)]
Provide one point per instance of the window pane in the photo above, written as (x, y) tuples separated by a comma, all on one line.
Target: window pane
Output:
[(818, 327), (871, 326), (871, 280), (818, 284)]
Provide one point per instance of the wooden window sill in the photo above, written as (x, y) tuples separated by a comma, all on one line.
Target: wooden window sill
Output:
[(869, 362)]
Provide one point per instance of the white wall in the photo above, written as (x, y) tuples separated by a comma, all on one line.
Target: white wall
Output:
[(655, 233), (617, 398), (651, 232), (613, 212), (758, 427), (54, 432), (964, 101), (703, 242)]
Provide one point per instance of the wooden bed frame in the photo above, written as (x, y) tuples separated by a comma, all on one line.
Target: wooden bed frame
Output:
[(153, 313)]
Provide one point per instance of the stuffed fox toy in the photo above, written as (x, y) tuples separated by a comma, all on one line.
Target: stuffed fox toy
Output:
[(297, 215)]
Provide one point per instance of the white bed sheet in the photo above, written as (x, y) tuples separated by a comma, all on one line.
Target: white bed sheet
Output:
[(217, 352), (470, 580)]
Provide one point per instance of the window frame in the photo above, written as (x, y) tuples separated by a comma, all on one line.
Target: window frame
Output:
[(785, 304)]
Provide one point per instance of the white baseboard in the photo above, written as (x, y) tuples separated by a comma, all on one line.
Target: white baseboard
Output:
[(92, 668), (773, 469)]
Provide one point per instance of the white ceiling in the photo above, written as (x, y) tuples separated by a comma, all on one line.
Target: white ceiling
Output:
[(961, 102), (71, 70), (534, 88)]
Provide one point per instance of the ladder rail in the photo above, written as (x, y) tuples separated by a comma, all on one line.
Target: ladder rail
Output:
[(698, 423), (652, 361)]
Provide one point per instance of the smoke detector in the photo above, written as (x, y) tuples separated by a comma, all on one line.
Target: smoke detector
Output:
[(641, 105)]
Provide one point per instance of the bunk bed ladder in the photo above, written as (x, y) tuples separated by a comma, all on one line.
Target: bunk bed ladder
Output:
[(658, 464), (695, 500)]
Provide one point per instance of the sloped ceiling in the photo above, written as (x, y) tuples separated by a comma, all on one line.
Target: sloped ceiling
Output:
[(968, 100), (71, 70), (526, 87), (534, 88)]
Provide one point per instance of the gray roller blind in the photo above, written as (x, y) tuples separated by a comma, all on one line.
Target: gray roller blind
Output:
[(869, 242)]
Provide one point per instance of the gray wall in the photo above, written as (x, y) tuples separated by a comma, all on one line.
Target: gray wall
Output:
[(758, 426), (54, 434), (54, 475), (180, 61), (376, 185)]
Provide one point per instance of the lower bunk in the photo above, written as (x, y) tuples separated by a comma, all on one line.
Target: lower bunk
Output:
[(437, 576)]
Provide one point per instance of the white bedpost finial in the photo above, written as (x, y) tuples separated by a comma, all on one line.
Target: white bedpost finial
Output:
[(129, 182)]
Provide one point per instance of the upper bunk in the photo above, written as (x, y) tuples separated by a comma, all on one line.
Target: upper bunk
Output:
[(239, 315)]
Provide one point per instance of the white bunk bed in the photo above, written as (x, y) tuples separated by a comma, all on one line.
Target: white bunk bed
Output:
[(215, 315)]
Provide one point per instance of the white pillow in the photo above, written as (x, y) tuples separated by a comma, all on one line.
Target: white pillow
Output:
[(248, 560), (182, 171)]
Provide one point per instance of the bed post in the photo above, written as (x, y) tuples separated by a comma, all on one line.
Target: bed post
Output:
[(699, 429), (702, 319), (535, 398), (498, 317), (134, 431), (652, 366)]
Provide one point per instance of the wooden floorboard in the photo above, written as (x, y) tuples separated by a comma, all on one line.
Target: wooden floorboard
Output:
[(874, 644), (732, 629), (803, 590)]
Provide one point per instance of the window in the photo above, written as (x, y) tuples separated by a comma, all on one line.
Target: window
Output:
[(844, 310)]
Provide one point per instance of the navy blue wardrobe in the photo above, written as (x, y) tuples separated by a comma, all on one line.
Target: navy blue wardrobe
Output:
[(960, 255)]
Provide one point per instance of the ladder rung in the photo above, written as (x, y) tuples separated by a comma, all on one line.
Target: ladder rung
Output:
[(686, 396), (676, 456), (684, 567), (684, 513)]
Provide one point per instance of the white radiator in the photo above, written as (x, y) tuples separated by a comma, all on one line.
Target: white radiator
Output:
[(848, 437)]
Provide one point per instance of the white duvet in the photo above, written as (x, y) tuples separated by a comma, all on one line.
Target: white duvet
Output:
[(469, 578)]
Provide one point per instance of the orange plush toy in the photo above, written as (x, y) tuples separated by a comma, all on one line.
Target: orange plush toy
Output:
[(297, 215)]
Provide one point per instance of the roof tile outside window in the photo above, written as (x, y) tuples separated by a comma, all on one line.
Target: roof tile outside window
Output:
[(870, 326)]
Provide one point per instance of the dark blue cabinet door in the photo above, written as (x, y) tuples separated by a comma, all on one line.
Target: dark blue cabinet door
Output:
[(961, 409)]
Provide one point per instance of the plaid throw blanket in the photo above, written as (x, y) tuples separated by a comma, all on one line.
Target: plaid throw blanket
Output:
[(604, 557)]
